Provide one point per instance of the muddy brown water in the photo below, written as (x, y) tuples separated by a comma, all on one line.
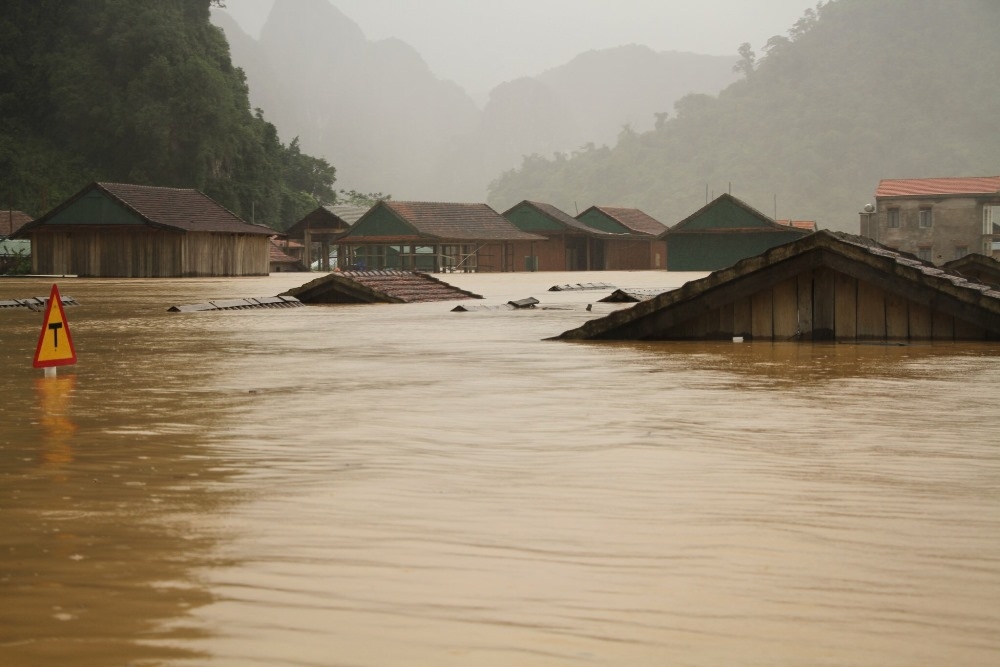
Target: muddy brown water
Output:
[(402, 485)]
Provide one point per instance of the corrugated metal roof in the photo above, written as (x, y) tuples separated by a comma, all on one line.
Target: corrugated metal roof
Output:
[(453, 221), (914, 187), (633, 219)]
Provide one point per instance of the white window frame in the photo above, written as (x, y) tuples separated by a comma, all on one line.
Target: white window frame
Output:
[(925, 215)]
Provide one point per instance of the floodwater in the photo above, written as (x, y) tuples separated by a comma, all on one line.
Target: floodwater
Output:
[(384, 485)]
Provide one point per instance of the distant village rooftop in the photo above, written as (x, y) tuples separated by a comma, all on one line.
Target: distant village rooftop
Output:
[(913, 187)]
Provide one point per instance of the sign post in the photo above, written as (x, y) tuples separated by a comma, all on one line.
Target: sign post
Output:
[(55, 343)]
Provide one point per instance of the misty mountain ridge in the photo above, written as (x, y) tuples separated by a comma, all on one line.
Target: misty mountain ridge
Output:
[(376, 111), (856, 92)]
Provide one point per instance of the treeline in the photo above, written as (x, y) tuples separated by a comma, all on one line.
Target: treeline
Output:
[(857, 91), (139, 91)]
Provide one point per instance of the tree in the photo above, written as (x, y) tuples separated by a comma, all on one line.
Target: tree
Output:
[(747, 62)]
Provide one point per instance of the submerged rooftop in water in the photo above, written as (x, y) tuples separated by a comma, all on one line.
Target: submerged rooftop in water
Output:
[(826, 286)]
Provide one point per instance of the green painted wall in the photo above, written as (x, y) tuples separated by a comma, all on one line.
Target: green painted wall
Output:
[(725, 214), (601, 222), (714, 251), (95, 208), (381, 222), (530, 219)]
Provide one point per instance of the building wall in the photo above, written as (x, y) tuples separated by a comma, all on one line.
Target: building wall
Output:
[(123, 252), (215, 254), (635, 255), (711, 251), (956, 226), (823, 304)]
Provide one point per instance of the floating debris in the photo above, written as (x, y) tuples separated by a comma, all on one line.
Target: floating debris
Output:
[(36, 302), (239, 304), (519, 304), (580, 286), (630, 295)]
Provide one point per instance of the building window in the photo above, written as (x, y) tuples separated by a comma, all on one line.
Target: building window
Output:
[(991, 216), (925, 218), (924, 253), (893, 217), (961, 251)]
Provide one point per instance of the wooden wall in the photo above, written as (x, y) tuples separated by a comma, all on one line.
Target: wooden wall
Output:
[(822, 304), (117, 252)]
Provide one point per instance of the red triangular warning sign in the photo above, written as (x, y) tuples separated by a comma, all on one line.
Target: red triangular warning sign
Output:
[(55, 344)]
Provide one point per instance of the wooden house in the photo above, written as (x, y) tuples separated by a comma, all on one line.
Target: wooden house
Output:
[(936, 219), (318, 230), (824, 286), (647, 251), (280, 259), (138, 231), (571, 245), (428, 236), (721, 233)]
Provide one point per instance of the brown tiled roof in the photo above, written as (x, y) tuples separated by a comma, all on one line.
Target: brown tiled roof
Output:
[(634, 219), (560, 216), (450, 221), (277, 254), (180, 208), (808, 225), (911, 187), (11, 221), (388, 286)]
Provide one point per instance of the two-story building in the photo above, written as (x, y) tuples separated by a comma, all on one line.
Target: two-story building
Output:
[(936, 219)]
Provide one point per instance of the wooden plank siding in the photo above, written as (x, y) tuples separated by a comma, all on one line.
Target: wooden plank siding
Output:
[(819, 303), (145, 253)]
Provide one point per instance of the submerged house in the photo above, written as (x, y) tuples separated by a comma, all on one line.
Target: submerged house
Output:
[(936, 219), (318, 231), (721, 233), (138, 231), (428, 236), (573, 244), (825, 286)]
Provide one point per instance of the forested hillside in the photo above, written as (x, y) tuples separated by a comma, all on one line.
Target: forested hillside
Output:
[(138, 91), (856, 91)]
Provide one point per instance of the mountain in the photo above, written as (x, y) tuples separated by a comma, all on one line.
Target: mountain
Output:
[(373, 107), (137, 91), (376, 111), (856, 92)]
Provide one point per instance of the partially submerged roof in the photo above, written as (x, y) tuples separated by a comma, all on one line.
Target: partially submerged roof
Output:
[(335, 218), (378, 287), (392, 221), (176, 209), (727, 214), (823, 286), (11, 221), (976, 267), (277, 254), (915, 187), (631, 220)]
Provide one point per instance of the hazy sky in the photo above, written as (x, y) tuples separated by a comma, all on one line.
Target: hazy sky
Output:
[(480, 44)]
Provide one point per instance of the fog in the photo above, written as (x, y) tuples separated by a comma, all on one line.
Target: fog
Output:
[(479, 45)]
